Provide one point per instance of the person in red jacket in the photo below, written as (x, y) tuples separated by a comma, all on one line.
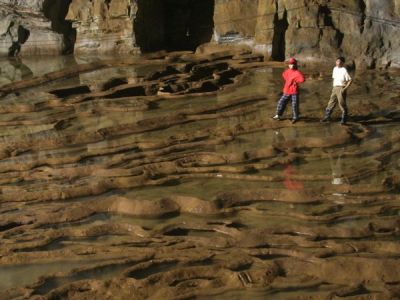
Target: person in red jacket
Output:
[(293, 78)]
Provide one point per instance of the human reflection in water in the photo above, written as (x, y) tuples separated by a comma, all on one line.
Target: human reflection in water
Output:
[(13, 69), (18, 35), (335, 159), (21, 67), (289, 172)]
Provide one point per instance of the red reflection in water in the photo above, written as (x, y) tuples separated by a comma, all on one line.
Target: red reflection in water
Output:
[(288, 172)]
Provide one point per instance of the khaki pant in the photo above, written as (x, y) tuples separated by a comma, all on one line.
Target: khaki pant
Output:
[(337, 96)]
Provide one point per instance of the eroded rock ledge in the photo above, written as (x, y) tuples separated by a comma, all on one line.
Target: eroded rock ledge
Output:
[(100, 180)]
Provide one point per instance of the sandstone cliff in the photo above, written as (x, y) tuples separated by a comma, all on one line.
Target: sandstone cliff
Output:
[(364, 31), (103, 26)]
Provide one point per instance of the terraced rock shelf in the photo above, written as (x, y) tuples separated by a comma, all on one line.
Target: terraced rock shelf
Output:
[(166, 178)]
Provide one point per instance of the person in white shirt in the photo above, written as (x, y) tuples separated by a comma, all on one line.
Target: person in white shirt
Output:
[(341, 82)]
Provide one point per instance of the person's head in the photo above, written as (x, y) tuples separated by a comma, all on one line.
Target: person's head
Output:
[(292, 63), (340, 61)]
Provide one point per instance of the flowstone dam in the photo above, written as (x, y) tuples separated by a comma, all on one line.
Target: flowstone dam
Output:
[(313, 30)]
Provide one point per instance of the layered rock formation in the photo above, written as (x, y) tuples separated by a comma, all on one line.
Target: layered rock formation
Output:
[(168, 179), (103, 26), (363, 31), (29, 27), (313, 30)]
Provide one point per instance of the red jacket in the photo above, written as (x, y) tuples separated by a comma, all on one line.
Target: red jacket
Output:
[(292, 80)]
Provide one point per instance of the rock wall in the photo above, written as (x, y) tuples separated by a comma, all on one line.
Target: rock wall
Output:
[(364, 31), (103, 25), (314, 30), (24, 28)]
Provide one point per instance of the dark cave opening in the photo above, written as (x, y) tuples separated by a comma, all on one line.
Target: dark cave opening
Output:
[(173, 24), (325, 15), (56, 11), (278, 40)]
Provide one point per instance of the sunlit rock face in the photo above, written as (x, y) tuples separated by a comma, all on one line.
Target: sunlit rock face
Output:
[(24, 29), (103, 26), (362, 30)]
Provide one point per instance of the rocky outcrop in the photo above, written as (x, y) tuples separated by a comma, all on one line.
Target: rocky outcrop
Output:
[(25, 29), (362, 30), (103, 26), (312, 30)]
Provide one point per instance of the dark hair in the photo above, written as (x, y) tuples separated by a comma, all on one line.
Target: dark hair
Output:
[(341, 58)]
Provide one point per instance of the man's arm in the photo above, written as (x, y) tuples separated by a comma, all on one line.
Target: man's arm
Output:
[(348, 83)]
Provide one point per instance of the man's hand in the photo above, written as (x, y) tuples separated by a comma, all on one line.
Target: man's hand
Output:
[(348, 83)]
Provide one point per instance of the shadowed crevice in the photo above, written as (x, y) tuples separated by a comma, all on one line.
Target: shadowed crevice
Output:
[(325, 14), (363, 7), (56, 11), (63, 93), (278, 40)]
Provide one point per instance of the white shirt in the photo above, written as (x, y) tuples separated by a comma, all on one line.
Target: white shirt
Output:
[(340, 76)]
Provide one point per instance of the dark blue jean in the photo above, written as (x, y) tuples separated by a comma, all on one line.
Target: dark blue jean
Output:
[(283, 102)]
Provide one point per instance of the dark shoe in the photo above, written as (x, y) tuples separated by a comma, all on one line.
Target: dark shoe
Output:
[(325, 119), (343, 120), (294, 121)]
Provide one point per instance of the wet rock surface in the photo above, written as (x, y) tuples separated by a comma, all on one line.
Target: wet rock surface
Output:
[(167, 178)]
